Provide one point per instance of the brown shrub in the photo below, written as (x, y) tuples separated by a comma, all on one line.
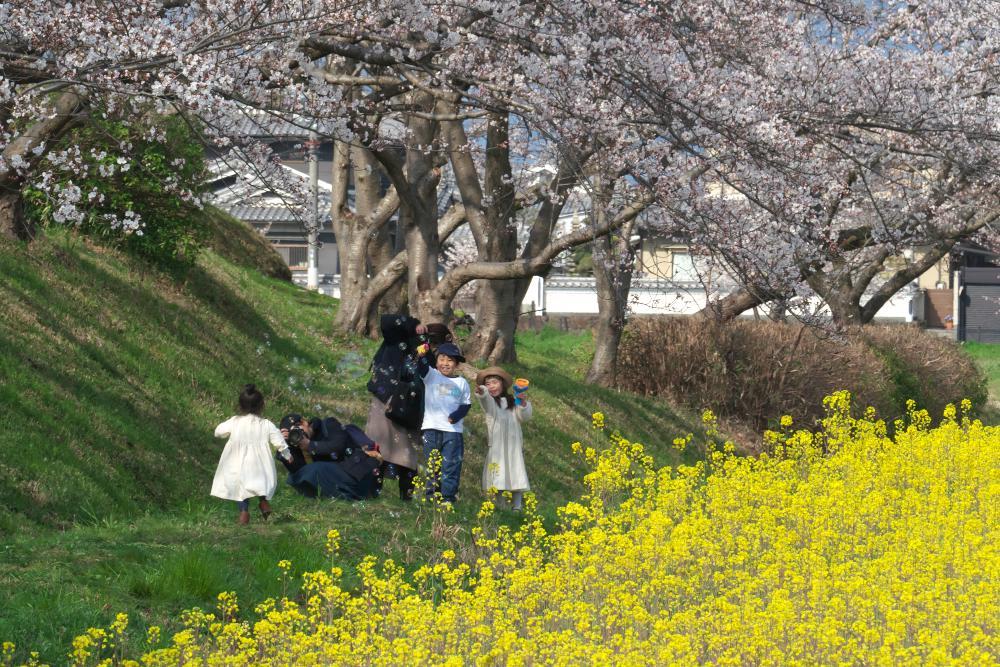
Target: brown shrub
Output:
[(931, 370), (756, 371)]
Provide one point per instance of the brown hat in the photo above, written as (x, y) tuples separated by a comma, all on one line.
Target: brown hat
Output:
[(498, 372)]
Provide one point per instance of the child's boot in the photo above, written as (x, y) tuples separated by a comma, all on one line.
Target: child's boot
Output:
[(244, 517)]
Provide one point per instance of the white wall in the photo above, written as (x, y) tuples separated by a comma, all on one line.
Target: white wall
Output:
[(578, 296)]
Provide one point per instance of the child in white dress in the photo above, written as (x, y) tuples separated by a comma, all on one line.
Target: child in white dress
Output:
[(246, 469), (504, 469)]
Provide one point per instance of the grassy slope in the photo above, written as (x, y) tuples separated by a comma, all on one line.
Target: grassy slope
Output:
[(987, 357), (112, 377)]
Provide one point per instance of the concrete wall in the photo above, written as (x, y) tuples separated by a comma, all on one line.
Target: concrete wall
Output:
[(576, 297)]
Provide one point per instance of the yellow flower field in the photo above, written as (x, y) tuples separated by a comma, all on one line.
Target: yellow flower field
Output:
[(837, 546)]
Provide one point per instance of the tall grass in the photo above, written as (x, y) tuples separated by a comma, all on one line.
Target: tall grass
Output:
[(987, 357)]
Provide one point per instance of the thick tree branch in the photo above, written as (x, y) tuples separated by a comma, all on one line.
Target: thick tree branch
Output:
[(523, 268), (62, 118), (936, 252), (381, 283)]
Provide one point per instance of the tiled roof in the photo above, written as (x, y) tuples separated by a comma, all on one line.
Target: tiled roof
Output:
[(264, 126), (250, 213)]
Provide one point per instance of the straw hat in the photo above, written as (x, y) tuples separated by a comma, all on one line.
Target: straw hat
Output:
[(498, 372)]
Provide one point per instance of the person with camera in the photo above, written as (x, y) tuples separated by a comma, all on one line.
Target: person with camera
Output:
[(331, 460)]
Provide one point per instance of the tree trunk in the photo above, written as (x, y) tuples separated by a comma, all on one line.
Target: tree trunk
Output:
[(539, 236), (422, 248), (492, 338), (14, 225), (498, 308), (614, 264), (842, 288), (607, 338), (350, 245), (381, 252), (416, 179), (845, 311), (610, 318), (362, 235)]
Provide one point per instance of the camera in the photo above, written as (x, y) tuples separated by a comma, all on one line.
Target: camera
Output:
[(296, 436)]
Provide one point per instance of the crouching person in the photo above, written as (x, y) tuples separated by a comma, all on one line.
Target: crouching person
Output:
[(331, 460)]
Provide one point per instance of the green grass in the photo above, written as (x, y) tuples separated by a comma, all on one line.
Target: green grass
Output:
[(112, 378), (987, 357)]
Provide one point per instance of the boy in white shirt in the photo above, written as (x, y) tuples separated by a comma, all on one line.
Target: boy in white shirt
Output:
[(447, 399)]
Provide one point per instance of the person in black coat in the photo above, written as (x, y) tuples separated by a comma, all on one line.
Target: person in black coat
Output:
[(331, 460), (397, 406)]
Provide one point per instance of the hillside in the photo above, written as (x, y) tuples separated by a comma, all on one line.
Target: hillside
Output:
[(112, 377)]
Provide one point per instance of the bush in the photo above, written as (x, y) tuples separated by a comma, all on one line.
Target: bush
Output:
[(931, 370), (755, 371), (125, 177)]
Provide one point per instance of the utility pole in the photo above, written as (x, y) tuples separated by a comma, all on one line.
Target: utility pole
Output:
[(312, 272)]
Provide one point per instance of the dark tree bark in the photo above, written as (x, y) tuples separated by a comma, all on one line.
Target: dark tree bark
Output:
[(500, 305), (496, 237), (358, 230), (614, 264), (13, 225)]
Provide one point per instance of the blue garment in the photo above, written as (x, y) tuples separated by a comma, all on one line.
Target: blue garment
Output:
[(451, 446), (459, 414), (396, 359), (326, 479), (340, 467)]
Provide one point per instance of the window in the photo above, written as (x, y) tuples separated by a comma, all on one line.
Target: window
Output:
[(682, 267), (295, 256)]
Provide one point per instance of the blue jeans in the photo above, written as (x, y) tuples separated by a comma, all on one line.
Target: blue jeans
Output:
[(451, 447)]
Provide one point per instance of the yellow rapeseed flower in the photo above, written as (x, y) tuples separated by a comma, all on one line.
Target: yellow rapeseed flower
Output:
[(839, 545)]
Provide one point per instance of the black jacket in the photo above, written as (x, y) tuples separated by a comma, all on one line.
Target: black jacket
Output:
[(331, 441), (340, 466)]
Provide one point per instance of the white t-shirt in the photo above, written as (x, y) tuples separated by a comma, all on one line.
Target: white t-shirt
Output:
[(442, 396)]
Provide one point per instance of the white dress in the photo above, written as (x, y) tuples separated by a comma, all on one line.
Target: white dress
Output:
[(246, 468), (504, 469)]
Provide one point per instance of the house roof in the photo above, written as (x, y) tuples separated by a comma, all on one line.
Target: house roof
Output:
[(248, 197), (263, 125)]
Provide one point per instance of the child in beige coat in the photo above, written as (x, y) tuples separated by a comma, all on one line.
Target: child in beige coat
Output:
[(504, 469), (246, 469)]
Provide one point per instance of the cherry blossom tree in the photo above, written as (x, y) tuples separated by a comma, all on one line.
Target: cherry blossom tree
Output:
[(839, 135), (61, 62), (769, 130), (395, 84), (614, 266)]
